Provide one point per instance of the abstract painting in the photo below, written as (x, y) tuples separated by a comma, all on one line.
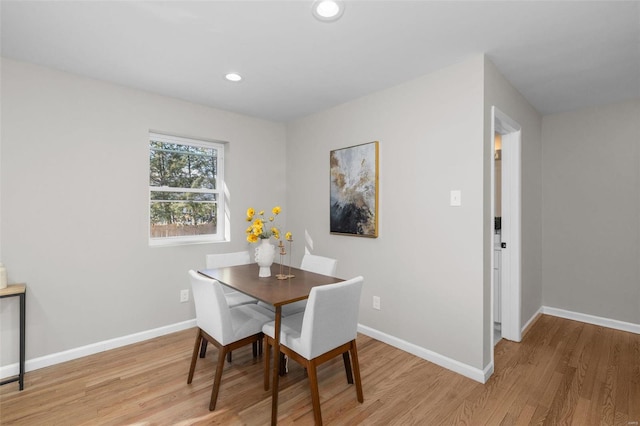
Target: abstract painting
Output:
[(354, 190)]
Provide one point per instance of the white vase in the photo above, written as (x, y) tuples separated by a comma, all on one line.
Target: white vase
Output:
[(265, 253)]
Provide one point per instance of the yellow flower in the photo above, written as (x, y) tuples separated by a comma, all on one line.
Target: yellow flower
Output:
[(288, 236), (258, 229)]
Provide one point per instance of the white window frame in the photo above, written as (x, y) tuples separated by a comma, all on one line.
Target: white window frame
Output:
[(220, 219)]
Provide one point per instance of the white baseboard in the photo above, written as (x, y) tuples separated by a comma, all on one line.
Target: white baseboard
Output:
[(94, 348), (483, 375), (591, 319), (526, 326), (450, 364)]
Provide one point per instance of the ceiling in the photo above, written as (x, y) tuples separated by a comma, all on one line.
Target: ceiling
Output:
[(561, 55)]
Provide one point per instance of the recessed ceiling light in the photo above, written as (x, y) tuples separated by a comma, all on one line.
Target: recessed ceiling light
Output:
[(328, 10), (233, 76)]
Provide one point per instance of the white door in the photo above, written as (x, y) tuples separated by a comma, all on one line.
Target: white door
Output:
[(511, 226)]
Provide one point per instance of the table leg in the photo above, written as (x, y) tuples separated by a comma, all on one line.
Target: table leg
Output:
[(276, 366), (22, 339)]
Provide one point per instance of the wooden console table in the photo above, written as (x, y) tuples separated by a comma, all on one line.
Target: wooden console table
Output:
[(19, 290)]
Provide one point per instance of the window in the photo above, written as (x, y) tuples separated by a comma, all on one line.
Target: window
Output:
[(185, 190)]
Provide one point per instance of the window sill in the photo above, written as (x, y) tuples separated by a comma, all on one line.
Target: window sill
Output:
[(185, 241)]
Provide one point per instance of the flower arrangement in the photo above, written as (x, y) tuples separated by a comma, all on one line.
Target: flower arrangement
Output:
[(261, 228)]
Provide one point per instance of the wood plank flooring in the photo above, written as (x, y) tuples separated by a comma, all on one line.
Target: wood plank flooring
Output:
[(563, 372)]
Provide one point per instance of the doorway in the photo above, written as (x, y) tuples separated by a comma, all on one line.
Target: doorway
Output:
[(506, 214)]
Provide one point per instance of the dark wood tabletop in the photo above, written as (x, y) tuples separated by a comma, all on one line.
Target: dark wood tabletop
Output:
[(270, 290)]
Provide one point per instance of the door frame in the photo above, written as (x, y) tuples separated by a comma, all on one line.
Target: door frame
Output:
[(511, 232)]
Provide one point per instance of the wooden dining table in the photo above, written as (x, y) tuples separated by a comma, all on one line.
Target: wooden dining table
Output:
[(275, 292)]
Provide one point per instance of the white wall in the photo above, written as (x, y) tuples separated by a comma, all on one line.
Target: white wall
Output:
[(591, 211), (74, 174), (74, 153), (500, 93), (427, 263)]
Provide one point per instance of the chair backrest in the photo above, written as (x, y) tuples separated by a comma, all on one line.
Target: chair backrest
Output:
[(319, 264), (212, 312), (331, 317), (228, 259)]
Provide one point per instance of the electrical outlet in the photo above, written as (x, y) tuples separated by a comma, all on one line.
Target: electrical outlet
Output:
[(376, 302), (184, 296)]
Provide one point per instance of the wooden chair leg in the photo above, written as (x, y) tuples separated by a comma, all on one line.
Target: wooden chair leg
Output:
[(356, 371), (267, 364), (254, 347), (229, 357), (218, 376), (203, 348), (194, 357), (282, 362), (315, 395), (347, 367)]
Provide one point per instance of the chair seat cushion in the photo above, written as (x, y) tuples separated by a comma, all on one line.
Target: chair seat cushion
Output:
[(290, 330), (236, 298), (288, 309), (247, 320)]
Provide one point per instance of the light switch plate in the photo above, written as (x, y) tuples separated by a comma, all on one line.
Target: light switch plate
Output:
[(456, 197)]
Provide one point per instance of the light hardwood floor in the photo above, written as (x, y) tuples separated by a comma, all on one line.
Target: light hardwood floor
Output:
[(563, 372)]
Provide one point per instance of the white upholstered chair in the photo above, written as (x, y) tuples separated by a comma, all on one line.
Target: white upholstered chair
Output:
[(326, 329), (226, 328), (312, 263), (319, 264), (234, 297)]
